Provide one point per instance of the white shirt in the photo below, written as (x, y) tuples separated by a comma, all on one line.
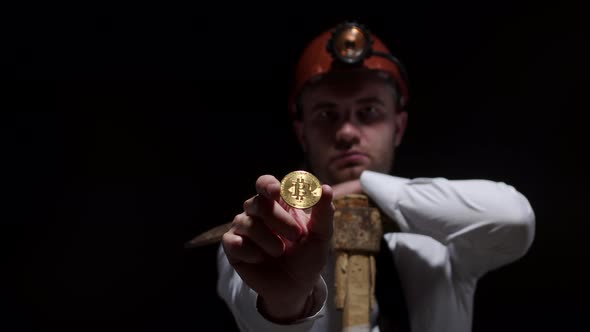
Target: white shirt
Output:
[(453, 232)]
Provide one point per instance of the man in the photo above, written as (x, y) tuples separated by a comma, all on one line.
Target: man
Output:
[(349, 116)]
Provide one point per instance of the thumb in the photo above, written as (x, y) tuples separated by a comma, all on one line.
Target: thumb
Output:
[(322, 214)]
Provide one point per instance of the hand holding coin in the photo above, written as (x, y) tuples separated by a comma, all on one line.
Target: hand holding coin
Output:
[(280, 243)]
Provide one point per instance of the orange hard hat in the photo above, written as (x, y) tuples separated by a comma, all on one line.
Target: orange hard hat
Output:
[(348, 45)]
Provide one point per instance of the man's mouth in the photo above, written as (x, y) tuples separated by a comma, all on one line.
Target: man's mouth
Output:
[(349, 158)]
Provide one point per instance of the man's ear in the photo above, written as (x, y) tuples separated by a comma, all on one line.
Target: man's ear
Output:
[(298, 128), (401, 121)]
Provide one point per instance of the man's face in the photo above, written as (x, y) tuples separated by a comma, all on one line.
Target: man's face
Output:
[(350, 124)]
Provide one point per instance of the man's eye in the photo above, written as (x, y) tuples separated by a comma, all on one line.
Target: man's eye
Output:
[(327, 116), (369, 114)]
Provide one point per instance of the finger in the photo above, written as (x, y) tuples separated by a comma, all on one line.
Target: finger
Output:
[(346, 188), (269, 187), (239, 249), (259, 234), (274, 216), (322, 214)]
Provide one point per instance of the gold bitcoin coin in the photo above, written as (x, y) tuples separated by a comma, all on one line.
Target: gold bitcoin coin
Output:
[(300, 189)]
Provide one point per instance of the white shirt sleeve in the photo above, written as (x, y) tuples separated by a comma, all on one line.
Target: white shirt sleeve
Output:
[(242, 300), (484, 224)]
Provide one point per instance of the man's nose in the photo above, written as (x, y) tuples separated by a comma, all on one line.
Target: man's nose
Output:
[(348, 134)]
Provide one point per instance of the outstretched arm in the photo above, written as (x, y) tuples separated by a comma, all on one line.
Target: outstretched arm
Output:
[(243, 302), (271, 259)]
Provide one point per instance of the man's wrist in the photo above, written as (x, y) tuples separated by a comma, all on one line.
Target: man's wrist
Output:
[(285, 312)]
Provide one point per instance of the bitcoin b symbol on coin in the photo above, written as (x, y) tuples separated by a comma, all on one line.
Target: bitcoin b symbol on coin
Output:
[(300, 189)]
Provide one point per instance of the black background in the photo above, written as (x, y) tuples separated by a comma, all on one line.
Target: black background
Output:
[(127, 131)]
